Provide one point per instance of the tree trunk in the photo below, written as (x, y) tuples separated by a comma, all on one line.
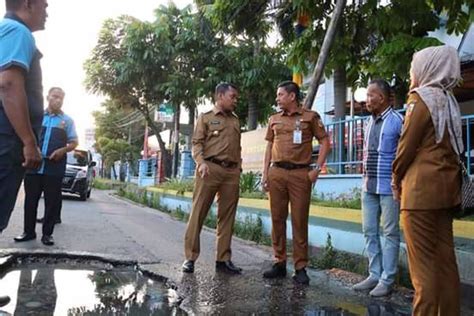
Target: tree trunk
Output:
[(191, 119), (400, 92), (176, 141), (324, 53), (122, 171), (253, 108), (165, 154), (252, 118), (114, 171)]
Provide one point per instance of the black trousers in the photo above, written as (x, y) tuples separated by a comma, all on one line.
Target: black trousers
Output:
[(34, 186)]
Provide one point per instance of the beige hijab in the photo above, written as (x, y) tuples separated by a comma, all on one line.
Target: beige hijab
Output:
[(437, 70)]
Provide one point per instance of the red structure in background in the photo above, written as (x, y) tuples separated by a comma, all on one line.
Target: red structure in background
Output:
[(160, 170)]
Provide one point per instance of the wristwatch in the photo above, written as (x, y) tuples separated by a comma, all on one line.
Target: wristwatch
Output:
[(315, 166)]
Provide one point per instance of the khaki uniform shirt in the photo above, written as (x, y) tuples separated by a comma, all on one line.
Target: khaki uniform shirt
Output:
[(217, 135), (280, 131), (429, 173)]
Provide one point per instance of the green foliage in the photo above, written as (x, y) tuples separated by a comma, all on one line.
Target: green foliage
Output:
[(252, 229), (373, 40), (254, 195), (181, 56), (106, 184), (351, 200), (249, 182), (254, 66), (115, 150), (180, 185), (330, 258), (111, 136)]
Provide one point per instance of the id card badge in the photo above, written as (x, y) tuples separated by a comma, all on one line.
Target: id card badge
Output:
[(297, 137)]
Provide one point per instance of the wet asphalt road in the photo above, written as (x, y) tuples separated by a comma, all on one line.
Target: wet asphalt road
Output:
[(116, 229)]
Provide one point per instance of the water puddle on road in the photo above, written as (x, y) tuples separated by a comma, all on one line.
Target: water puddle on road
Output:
[(69, 288)]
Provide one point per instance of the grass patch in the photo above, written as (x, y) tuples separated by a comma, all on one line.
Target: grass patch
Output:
[(254, 195), (351, 200), (178, 185), (329, 258), (107, 184)]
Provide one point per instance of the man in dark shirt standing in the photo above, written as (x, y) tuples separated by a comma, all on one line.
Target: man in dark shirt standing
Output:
[(21, 100), (58, 137)]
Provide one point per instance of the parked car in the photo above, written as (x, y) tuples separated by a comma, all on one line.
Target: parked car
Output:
[(79, 173)]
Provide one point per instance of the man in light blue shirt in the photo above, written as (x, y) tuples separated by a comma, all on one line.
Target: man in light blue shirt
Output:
[(21, 99), (378, 206)]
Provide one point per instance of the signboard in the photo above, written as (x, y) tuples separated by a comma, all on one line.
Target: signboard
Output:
[(253, 150), (164, 113)]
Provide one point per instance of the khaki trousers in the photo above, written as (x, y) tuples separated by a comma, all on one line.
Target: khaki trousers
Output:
[(432, 261), (224, 183), (294, 187)]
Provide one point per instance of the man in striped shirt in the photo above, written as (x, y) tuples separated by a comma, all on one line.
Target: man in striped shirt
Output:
[(378, 206)]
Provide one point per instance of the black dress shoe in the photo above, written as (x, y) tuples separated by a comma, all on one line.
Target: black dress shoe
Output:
[(58, 221), (301, 277), (25, 237), (188, 266), (4, 300), (278, 270), (40, 220), (47, 240), (227, 267)]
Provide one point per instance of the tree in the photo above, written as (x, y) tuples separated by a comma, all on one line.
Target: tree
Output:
[(116, 68), (256, 67), (115, 123), (113, 150), (374, 40)]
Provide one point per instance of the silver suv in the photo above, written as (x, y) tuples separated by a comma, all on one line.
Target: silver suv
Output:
[(79, 173)]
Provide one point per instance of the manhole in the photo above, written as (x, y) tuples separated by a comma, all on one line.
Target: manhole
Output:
[(71, 287)]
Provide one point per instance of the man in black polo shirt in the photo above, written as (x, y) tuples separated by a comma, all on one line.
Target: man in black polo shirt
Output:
[(21, 100)]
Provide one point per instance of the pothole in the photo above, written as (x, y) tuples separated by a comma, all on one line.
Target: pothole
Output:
[(58, 286)]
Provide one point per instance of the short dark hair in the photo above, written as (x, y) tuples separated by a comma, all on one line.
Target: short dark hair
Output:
[(13, 5), (56, 88), (383, 86), (222, 87), (291, 87)]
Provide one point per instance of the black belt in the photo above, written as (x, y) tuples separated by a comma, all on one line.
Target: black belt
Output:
[(222, 163), (289, 165)]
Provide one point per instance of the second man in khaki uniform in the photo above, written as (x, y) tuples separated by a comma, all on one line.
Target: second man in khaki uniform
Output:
[(217, 152), (288, 177)]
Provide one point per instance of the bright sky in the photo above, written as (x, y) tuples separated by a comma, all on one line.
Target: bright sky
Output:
[(71, 33)]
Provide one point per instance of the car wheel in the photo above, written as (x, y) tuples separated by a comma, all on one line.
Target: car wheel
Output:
[(83, 196)]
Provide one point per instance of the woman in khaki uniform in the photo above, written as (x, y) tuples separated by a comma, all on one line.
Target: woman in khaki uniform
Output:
[(426, 175)]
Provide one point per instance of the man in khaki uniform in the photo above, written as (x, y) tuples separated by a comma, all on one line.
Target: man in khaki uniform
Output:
[(217, 152), (290, 177)]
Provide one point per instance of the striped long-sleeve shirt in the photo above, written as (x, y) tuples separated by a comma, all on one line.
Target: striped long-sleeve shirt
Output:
[(380, 146)]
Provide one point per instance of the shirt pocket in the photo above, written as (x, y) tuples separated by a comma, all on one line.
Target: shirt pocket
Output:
[(306, 130), (215, 130), (388, 142), (279, 128)]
